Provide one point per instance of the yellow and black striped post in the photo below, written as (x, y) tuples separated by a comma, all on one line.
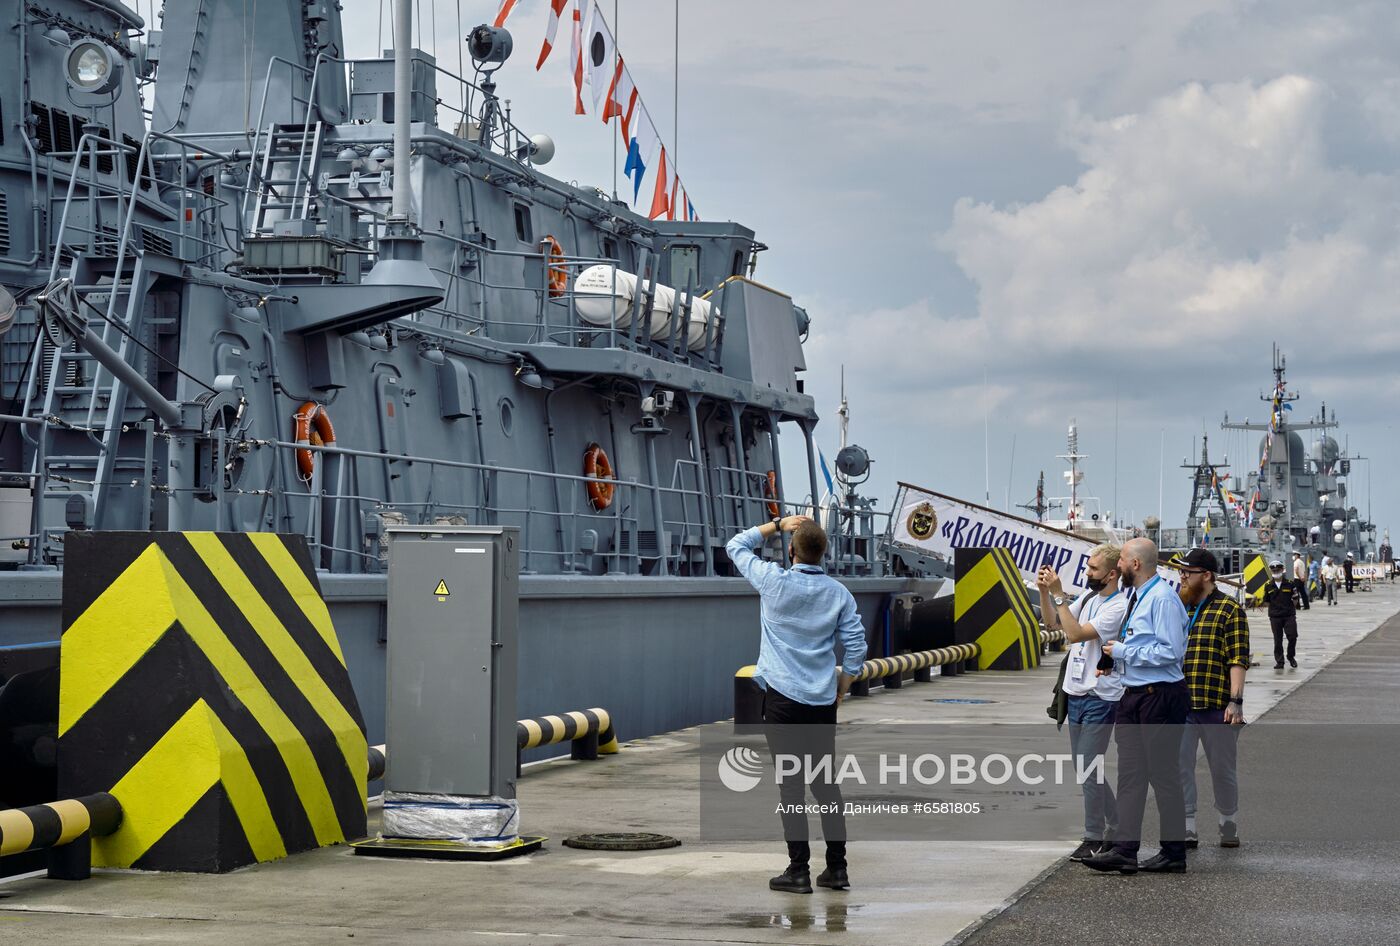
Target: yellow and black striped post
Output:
[(748, 695), (63, 828), (1256, 576), (589, 732), (202, 684), (992, 609)]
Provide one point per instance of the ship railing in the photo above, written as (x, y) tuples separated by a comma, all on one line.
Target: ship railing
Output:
[(556, 504), (555, 318)]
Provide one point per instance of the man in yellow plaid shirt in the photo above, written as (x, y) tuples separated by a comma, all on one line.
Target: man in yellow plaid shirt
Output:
[(1217, 656)]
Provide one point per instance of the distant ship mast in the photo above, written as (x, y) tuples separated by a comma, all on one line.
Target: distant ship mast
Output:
[(1040, 505), (1073, 476)]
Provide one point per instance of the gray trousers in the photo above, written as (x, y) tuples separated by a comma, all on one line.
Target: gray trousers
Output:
[(1208, 728)]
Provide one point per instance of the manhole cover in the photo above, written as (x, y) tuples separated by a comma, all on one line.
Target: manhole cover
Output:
[(621, 841), (951, 699)]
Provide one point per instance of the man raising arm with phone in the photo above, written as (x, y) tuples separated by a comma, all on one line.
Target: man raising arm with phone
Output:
[(803, 612)]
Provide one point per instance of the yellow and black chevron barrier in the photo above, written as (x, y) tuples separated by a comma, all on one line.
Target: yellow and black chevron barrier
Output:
[(202, 684), (992, 609), (1256, 576), (61, 827)]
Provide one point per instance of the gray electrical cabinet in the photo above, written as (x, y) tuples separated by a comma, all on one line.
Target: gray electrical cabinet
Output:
[(452, 656)]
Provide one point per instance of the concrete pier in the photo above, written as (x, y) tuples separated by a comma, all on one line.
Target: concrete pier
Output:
[(705, 892)]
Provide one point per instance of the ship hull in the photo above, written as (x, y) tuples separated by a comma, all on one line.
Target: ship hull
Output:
[(658, 653)]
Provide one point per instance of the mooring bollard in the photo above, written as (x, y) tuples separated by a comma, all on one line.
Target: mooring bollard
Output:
[(64, 828)]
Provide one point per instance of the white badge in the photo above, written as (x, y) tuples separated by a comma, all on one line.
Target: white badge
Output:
[(1078, 668)]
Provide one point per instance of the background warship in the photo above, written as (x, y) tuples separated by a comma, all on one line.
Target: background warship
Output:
[(336, 316), (1296, 499)]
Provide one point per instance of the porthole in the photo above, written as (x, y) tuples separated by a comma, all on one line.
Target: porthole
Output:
[(507, 415)]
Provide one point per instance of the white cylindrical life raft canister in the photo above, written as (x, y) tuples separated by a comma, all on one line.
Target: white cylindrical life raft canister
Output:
[(603, 296)]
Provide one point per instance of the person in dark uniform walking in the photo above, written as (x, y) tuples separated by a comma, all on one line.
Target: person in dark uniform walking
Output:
[(1283, 614), (1348, 564)]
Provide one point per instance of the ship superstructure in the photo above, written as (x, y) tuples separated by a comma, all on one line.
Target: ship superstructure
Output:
[(1295, 499), (303, 295)]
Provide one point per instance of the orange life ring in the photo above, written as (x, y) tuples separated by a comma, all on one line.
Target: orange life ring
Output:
[(558, 274), (770, 493), (596, 464), (312, 426)]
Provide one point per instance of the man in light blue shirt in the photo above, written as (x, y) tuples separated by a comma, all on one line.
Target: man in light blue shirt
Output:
[(1148, 655), (803, 612)]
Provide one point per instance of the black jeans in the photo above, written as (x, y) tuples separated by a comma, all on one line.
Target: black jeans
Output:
[(1149, 733), (799, 729), (1285, 626), (1303, 594)]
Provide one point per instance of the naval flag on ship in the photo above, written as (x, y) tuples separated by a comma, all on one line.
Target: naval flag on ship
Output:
[(507, 7), (601, 62), (660, 198), (576, 59), (556, 11)]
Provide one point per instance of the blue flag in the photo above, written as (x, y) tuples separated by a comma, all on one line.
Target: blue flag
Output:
[(692, 215), (830, 486), (634, 167)]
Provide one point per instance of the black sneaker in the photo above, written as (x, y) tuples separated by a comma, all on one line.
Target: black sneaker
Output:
[(1278, 665), (1086, 850), (834, 878), (1293, 662), (1229, 834), (1193, 840), (792, 880)]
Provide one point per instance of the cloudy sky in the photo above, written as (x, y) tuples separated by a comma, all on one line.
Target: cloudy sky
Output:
[(1013, 213)]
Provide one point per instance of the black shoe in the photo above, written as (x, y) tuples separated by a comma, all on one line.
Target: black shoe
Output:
[(1193, 840), (1159, 863), (1111, 860), (1293, 662), (834, 878), (1229, 834), (1086, 850), (1278, 665), (792, 880)]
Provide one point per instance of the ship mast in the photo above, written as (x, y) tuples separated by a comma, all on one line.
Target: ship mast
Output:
[(1278, 427), (1039, 505), (1073, 476)]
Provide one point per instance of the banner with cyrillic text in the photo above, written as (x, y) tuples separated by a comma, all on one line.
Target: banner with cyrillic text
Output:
[(932, 522)]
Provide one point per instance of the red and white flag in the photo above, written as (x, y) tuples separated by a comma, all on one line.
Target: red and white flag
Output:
[(623, 100), (556, 10), (660, 199), (507, 7), (576, 59), (680, 205)]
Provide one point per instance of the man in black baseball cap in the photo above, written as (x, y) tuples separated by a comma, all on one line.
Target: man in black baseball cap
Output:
[(1217, 656)]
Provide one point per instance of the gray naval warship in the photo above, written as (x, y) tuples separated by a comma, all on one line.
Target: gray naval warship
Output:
[(1295, 500), (287, 300)]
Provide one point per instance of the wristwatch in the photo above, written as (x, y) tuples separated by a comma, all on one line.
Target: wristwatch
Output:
[(1059, 601), (1237, 699)]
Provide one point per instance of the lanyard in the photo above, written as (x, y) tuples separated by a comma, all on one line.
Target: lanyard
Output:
[(1195, 614), (1098, 602), (1140, 596)]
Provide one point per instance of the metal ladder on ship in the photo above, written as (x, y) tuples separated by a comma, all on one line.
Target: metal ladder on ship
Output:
[(291, 162), (74, 374)]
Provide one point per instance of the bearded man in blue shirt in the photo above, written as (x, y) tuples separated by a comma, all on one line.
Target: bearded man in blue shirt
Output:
[(804, 611), (1149, 654)]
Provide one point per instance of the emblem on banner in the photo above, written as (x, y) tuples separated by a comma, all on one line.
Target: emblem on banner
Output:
[(922, 521)]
